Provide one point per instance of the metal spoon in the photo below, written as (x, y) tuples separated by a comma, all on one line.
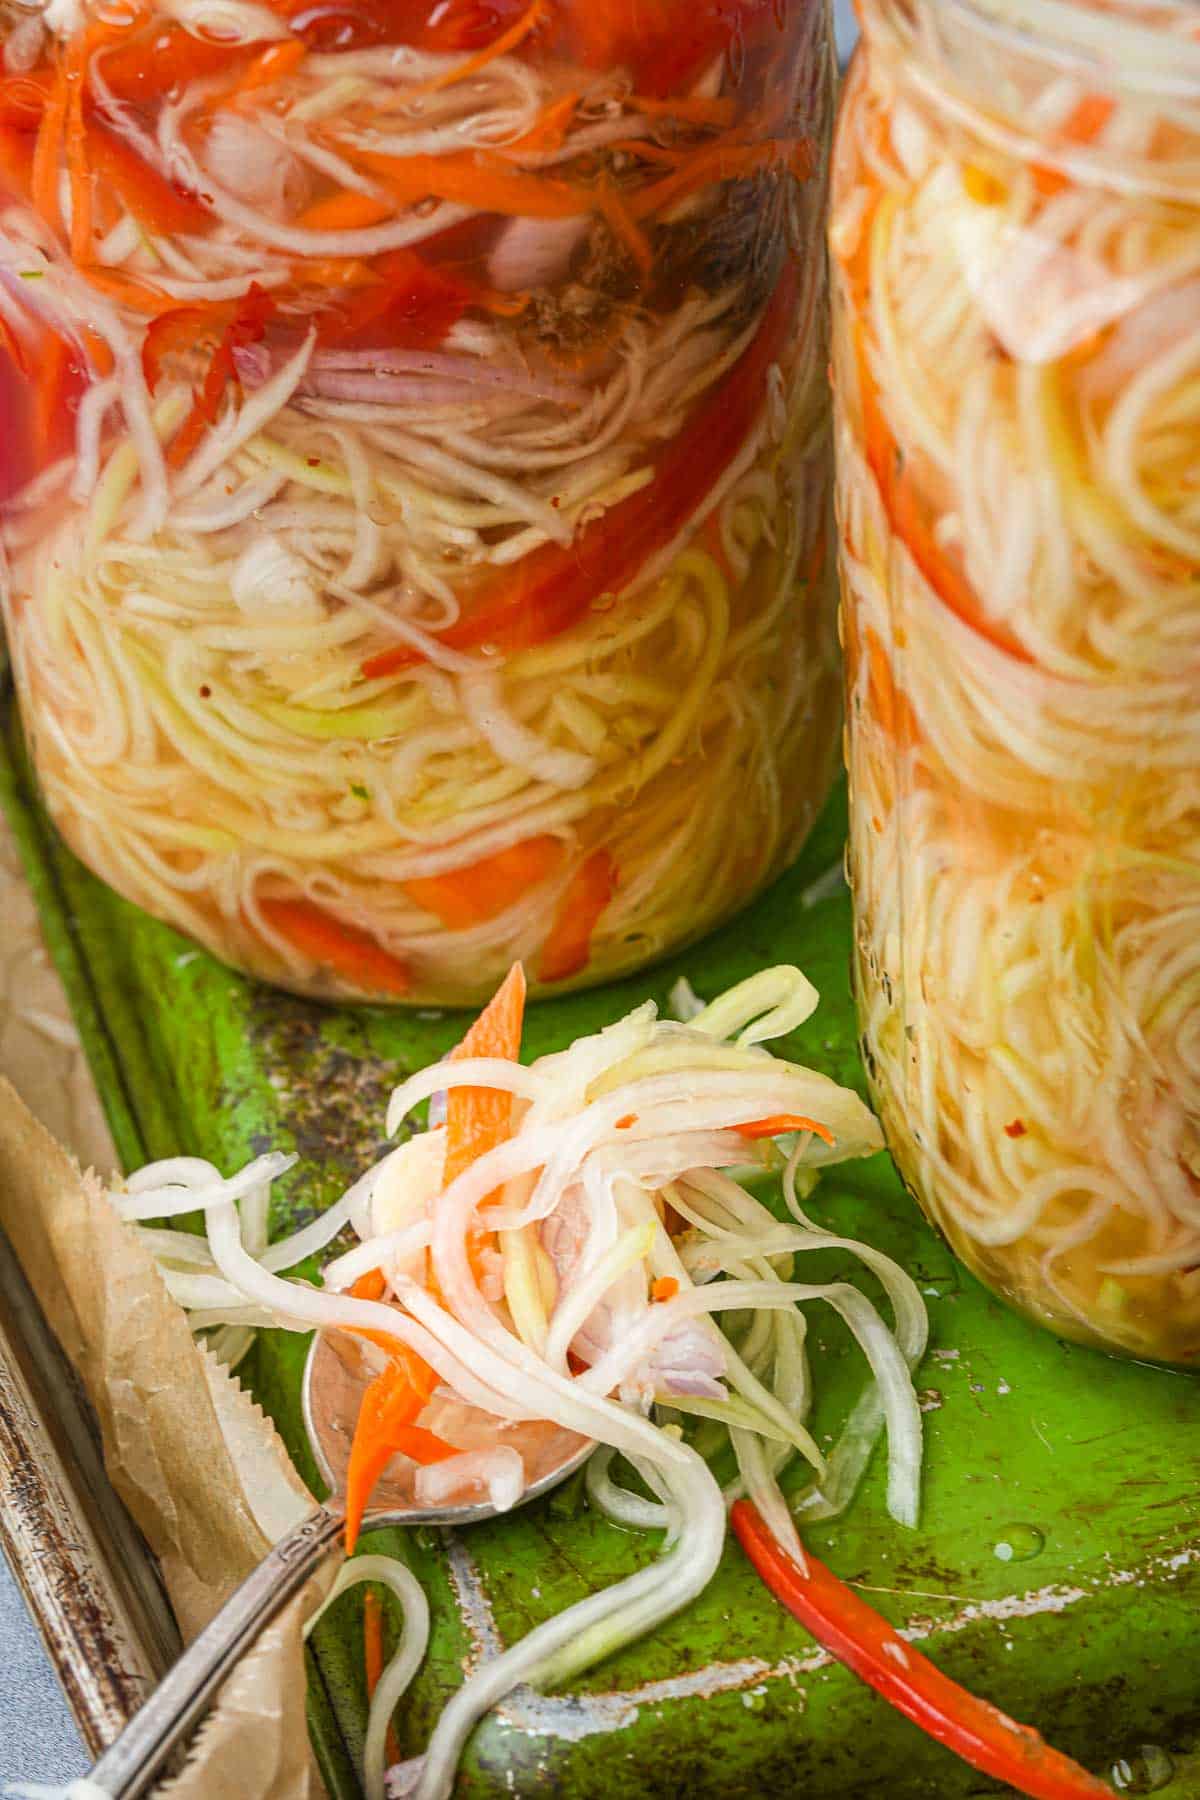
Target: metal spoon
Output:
[(335, 1375)]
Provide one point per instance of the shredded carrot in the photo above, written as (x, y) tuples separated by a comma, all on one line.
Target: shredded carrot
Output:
[(627, 1123), (508, 40), (549, 129), (343, 949), (475, 179), (136, 295), (77, 160), (689, 110), (345, 211), (781, 1122), (465, 897), (274, 63), (568, 945), (477, 1119), (336, 272), (369, 1286), (665, 1288), (721, 162), (373, 1658), (385, 1429), (648, 152), (623, 226), (1048, 181), (47, 151), (1089, 118), (372, 1640), (1083, 125)]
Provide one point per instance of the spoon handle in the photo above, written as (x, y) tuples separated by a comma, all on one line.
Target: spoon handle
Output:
[(177, 1704)]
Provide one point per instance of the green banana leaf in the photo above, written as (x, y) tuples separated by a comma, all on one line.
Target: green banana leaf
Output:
[(1056, 1567)]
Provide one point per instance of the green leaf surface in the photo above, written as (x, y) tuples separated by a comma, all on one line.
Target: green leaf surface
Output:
[(1091, 1464)]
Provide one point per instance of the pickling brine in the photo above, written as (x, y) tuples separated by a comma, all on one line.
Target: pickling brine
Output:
[(417, 469), (1016, 227)]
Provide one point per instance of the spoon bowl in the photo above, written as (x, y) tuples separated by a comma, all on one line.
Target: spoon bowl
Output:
[(336, 1374)]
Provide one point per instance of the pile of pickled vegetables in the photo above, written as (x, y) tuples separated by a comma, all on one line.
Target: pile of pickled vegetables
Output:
[(1019, 375), (574, 1243), (415, 498)]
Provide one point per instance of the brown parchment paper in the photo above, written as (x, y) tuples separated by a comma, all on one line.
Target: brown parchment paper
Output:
[(200, 1468)]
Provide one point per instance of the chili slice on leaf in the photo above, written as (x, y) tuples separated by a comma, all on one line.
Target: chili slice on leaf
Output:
[(873, 1650)]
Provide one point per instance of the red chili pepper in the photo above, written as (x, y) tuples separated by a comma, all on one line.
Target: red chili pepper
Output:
[(154, 202), (864, 1641), (226, 328), (149, 65), (553, 588), (409, 306)]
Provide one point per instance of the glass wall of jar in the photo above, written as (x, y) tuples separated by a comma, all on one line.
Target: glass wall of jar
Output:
[(417, 470), (1016, 228)]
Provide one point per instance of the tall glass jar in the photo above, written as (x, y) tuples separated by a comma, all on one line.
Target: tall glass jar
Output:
[(417, 469), (1016, 229)]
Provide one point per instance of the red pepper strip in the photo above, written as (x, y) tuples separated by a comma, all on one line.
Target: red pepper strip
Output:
[(464, 897), (149, 66), (864, 1641), (155, 203), (781, 1122), (409, 305), (330, 943), (385, 1428), (554, 587), (568, 946), (60, 381), (240, 322)]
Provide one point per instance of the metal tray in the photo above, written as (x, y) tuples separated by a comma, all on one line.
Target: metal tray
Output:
[(1094, 1638), (88, 1579)]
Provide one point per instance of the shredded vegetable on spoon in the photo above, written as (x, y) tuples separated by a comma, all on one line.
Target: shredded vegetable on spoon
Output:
[(571, 1247)]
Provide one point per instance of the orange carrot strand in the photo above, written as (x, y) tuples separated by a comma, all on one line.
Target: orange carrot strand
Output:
[(372, 1640), (508, 40), (47, 152)]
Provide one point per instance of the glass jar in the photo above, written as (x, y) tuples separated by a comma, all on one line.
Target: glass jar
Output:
[(416, 493), (1016, 231)]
